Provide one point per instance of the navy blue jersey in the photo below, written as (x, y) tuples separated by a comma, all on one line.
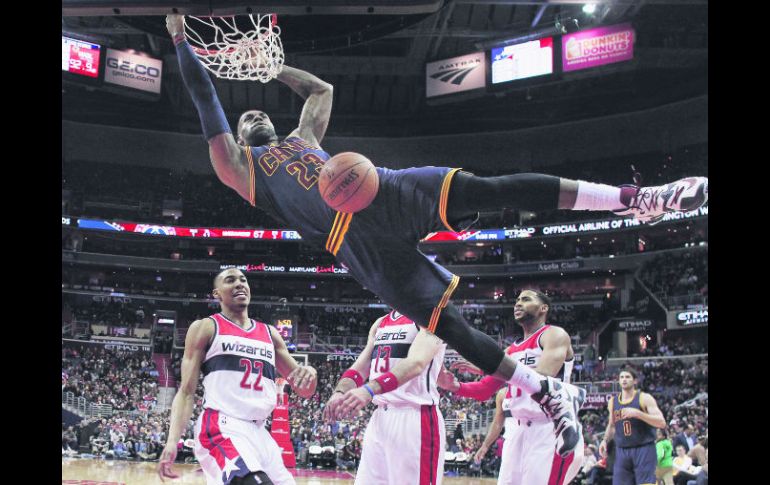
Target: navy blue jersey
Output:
[(630, 432), (284, 184), (378, 245)]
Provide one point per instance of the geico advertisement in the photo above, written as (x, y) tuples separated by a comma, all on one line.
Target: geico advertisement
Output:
[(133, 71)]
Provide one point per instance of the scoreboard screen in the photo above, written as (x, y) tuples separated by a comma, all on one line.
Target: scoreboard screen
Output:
[(284, 327), (81, 58), (521, 61)]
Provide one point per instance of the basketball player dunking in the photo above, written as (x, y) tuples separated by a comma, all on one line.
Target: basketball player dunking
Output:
[(634, 415), (528, 456), (239, 358), (405, 439), (379, 244)]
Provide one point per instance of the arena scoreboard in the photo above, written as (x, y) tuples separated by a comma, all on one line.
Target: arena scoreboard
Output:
[(80, 58), (521, 61)]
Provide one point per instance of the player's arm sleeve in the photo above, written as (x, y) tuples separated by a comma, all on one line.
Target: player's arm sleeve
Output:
[(480, 390), (227, 157)]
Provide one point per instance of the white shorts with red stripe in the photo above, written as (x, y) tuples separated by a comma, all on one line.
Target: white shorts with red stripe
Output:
[(228, 447), (529, 456), (403, 446)]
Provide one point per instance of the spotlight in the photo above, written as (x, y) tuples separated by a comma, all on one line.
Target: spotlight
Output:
[(589, 8)]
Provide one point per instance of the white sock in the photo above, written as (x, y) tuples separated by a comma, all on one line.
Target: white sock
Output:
[(525, 378), (597, 197)]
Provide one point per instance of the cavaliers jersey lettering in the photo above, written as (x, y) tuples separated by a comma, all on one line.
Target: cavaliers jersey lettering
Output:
[(239, 370), (285, 176), (528, 352), (631, 432), (394, 337)]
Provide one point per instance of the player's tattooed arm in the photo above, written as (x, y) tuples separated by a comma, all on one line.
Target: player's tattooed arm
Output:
[(301, 378), (198, 337), (318, 97)]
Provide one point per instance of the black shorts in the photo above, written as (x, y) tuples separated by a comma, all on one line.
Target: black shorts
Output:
[(379, 244)]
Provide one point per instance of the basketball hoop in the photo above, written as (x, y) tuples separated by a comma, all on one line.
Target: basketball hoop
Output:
[(250, 55)]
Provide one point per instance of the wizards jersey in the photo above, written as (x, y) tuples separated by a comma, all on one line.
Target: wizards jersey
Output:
[(528, 352), (239, 370), (283, 183), (394, 337)]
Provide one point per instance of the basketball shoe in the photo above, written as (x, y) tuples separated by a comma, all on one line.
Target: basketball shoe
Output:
[(651, 204), (561, 402)]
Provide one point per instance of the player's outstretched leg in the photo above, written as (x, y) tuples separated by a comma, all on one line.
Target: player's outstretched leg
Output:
[(559, 401), (470, 194)]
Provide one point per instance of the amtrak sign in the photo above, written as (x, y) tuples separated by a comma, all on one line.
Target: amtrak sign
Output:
[(455, 75)]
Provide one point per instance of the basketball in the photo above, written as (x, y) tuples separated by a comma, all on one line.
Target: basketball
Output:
[(348, 182)]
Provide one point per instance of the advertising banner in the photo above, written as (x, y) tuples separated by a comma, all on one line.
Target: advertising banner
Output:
[(265, 268), (107, 344), (678, 319), (576, 228), (597, 47), (635, 324), (132, 70), (596, 400), (455, 75)]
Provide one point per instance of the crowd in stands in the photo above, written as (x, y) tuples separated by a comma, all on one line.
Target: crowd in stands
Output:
[(679, 274), (125, 380), (680, 388), (681, 392), (672, 348)]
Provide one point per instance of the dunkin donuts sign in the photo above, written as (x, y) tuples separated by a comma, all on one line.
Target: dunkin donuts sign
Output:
[(596, 47)]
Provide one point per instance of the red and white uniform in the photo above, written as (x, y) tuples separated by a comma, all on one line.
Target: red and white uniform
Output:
[(405, 439), (529, 456), (239, 394)]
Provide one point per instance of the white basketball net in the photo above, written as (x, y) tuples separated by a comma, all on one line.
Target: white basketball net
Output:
[(254, 55)]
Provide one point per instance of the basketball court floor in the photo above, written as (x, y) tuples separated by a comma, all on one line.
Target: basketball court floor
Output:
[(76, 471)]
